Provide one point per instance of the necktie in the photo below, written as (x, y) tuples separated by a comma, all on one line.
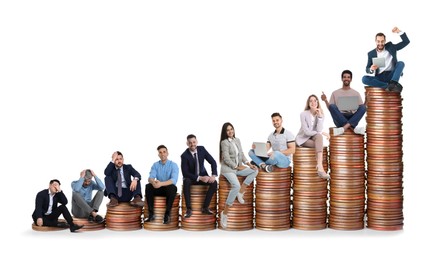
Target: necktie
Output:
[(197, 167), (119, 183)]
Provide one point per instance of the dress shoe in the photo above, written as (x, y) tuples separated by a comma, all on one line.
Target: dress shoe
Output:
[(62, 225), (75, 227), (150, 218), (207, 211), (137, 202), (98, 219), (188, 213), (113, 202), (166, 219), (240, 197), (90, 218)]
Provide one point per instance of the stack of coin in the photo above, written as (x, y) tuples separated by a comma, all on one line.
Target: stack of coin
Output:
[(347, 184), (273, 199), (159, 212), (241, 216), (123, 217), (199, 221), (310, 192), (384, 159)]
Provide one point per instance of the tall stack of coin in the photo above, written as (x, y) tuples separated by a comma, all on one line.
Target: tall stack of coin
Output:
[(310, 192), (347, 184), (241, 216), (384, 159), (273, 199), (199, 221)]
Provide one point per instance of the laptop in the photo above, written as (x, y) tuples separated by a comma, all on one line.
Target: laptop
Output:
[(260, 149), (380, 62), (347, 103)]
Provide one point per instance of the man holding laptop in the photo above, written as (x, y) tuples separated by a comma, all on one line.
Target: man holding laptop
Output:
[(382, 62), (282, 143), (346, 106)]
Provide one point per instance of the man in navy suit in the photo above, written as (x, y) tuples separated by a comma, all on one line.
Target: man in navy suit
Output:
[(386, 77), (122, 182), (194, 173), (47, 208)]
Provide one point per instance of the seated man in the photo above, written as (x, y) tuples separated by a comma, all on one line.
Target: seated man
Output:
[(47, 209), (345, 119), (119, 186), (282, 142), (162, 182), (83, 205)]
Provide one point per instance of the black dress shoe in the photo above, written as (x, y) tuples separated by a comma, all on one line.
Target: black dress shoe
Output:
[(188, 213), (166, 219), (90, 218), (75, 227), (98, 219), (207, 211), (62, 225), (150, 218)]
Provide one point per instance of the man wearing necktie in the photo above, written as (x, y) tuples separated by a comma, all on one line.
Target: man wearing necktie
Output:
[(194, 173), (122, 182), (50, 203)]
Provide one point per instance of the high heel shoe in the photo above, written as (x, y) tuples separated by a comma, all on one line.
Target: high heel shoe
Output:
[(322, 175)]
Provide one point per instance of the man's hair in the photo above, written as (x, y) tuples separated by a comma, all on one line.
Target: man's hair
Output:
[(54, 180), (119, 153), (380, 34), (160, 147), (191, 136), (276, 114), (346, 72)]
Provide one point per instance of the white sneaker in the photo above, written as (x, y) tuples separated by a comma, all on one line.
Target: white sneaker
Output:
[(360, 130), (338, 131), (240, 198), (223, 220)]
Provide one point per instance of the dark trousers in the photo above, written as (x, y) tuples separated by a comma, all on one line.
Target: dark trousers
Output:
[(169, 192), (127, 194), (51, 220), (187, 191)]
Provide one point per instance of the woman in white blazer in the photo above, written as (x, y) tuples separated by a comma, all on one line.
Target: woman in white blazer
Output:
[(234, 163), (310, 134)]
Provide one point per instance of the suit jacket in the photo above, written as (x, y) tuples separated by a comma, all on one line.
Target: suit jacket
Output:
[(229, 157), (128, 171), (42, 203), (307, 129), (391, 48), (188, 163)]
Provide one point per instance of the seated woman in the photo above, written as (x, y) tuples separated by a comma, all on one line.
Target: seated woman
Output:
[(310, 134), (233, 162)]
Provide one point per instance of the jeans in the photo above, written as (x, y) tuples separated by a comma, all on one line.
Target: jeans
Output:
[(235, 184), (382, 80), (278, 159), (341, 119)]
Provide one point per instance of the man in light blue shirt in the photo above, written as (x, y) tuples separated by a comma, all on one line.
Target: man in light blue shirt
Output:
[(83, 205), (162, 182)]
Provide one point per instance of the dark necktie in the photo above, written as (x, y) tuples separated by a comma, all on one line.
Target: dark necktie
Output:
[(197, 167), (119, 183)]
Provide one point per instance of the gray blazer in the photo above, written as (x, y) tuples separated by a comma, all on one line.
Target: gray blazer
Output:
[(307, 129), (228, 155)]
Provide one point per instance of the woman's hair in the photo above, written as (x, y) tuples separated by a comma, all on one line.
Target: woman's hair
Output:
[(307, 102), (223, 136)]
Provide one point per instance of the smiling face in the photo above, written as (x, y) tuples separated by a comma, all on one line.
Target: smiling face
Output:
[(192, 144), (313, 102), (163, 154), (230, 131), (277, 121), (380, 41)]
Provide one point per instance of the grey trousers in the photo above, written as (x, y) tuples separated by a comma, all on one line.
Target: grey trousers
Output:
[(81, 208)]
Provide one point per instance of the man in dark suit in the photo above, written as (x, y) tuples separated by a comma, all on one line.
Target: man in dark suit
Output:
[(120, 187), (194, 173), (386, 77), (47, 208)]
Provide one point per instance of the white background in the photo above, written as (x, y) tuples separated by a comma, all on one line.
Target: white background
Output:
[(81, 79)]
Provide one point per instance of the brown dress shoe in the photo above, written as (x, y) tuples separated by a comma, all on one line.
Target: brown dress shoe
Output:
[(113, 202), (137, 202)]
